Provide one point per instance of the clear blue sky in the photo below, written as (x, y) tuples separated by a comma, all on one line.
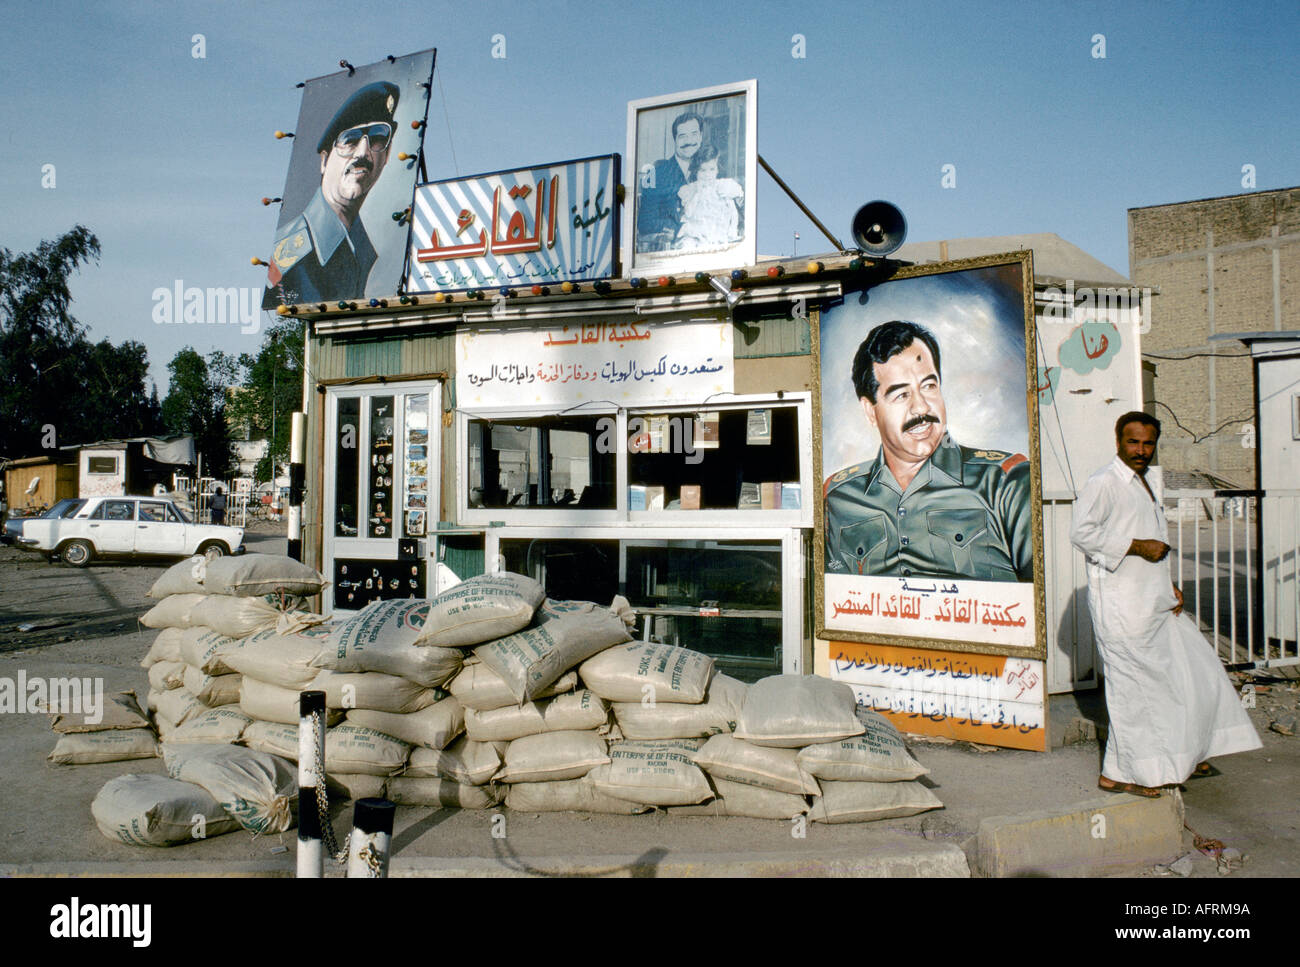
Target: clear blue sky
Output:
[(165, 156)]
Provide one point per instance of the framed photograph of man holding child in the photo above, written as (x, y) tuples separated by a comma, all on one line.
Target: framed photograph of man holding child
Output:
[(691, 185)]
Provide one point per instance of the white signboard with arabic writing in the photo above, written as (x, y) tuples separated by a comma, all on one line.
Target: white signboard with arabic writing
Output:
[(988, 612), (989, 699), (536, 226), (1011, 700), (622, 363)]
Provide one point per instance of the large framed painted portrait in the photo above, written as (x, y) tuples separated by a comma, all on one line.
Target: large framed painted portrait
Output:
[(929, 529), (691, 185), (336, 238)]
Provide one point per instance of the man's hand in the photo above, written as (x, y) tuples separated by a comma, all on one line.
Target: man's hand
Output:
[(1178, 609), (1149, 550)]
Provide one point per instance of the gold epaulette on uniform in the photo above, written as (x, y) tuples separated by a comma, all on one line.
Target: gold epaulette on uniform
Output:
[(838, 478)]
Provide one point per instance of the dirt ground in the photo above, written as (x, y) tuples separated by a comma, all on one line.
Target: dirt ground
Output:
[(86, 625)]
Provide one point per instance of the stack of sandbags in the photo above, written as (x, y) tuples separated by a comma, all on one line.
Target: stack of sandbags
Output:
[(664, 698), (117, 731), (491, 690), (487, 658), (207, 611), (524, 702), (801, 740), (389, 667)]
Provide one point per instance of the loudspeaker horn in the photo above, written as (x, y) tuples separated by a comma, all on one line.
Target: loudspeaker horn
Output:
[(879, 228)]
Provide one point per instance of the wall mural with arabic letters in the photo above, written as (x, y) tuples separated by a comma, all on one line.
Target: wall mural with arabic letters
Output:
[(544, 226)]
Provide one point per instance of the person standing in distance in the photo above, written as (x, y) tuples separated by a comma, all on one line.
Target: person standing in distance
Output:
[(218, 506), (325, 254), (1170, 703), (926, 506)]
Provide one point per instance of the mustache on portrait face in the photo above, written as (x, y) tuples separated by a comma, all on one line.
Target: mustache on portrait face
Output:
[(916, 421)]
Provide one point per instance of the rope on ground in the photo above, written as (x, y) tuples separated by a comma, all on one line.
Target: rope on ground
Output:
[(1210, 847)]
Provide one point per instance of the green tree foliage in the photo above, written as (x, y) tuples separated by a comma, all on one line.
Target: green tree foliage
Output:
[(50, 374), (272, 390), (196, 404), (114, 379)]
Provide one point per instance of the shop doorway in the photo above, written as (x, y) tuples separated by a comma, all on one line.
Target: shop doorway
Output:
[(381, 489)]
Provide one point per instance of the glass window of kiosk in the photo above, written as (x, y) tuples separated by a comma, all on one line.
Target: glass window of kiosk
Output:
[(542, 463), (726, 598), (747, 461), (738, 458)]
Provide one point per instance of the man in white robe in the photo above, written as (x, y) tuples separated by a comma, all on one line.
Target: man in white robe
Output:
[(1170, 702)]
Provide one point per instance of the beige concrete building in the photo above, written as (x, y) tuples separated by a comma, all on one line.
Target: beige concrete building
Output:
[(1217, 266)]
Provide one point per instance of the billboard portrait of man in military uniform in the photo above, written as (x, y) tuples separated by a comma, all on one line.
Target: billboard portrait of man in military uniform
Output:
[(337, 239), (926, 505), (928, 453)]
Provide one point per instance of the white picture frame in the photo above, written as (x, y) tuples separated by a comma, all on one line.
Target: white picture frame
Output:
[(679, 216)]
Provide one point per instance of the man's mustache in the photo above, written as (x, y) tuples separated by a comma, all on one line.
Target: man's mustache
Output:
[(916, 421), (361, 163)]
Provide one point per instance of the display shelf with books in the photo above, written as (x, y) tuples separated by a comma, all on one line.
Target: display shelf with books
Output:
[(735, 600)]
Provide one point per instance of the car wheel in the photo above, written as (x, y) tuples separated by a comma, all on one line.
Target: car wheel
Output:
[(213, 550), (77, 553)]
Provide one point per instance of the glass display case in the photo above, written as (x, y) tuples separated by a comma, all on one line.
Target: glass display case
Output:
[(742, 458), (736, 600), (722, 598)]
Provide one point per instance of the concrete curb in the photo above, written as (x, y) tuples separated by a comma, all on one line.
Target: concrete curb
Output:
[(1098, 837), (905, 859)]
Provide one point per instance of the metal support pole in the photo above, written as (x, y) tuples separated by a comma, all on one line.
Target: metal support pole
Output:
[(372, 835), (311, 752), (802, 207), (297, 440)]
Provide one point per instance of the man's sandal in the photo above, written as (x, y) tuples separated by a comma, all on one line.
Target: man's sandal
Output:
[(1203, 770), (1133, 789)]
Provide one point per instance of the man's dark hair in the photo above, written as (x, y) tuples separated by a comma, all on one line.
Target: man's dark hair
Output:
[(882, 344), (1135, 416), (683, 118)]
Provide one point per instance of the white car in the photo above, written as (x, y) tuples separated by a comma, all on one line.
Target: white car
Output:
[(128, 526)]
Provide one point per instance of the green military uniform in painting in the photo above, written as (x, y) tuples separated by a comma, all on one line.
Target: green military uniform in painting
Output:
[(966, 514), (318, 259), (324, 253)]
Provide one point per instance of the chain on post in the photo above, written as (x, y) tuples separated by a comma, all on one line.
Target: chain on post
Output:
[(322, 799), (370, 857)]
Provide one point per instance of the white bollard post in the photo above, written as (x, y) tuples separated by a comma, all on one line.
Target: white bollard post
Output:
[(372, 835), (297, 477), (311, 776)]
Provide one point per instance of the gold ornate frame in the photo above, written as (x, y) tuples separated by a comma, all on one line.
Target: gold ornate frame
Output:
[(1039, 650)]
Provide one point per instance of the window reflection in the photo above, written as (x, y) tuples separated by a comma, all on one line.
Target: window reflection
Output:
[(552, 462)]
